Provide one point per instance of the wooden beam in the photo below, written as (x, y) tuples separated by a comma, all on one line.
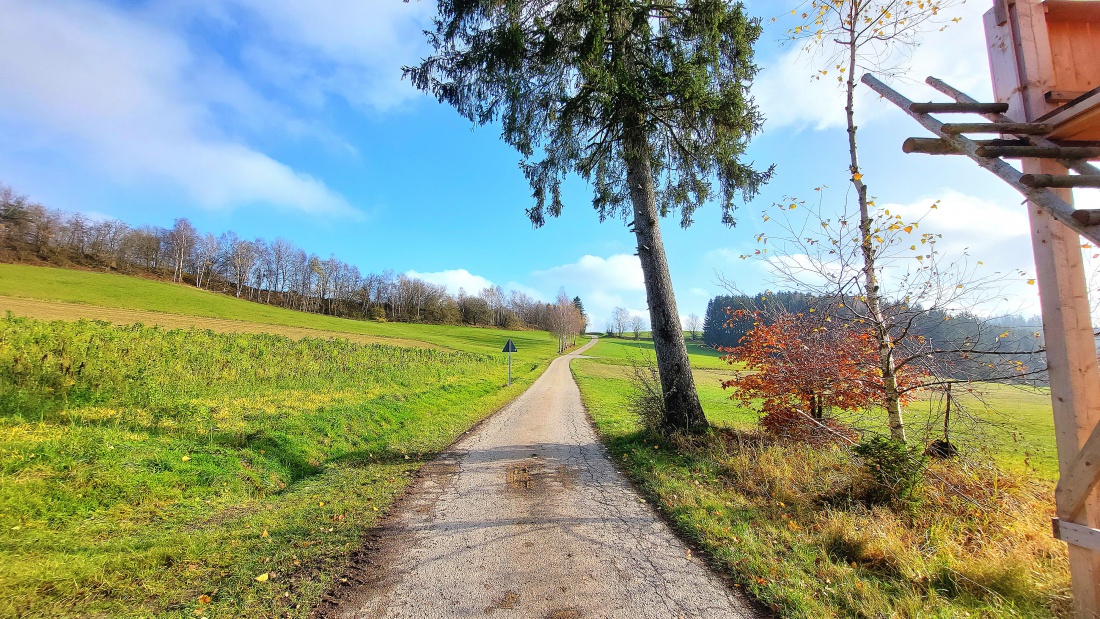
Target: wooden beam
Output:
[(1059, 180), (1012, 128), (1062, 96), (1040, 152), (959, 108), (1076, 534), (1072, 365), (1076, 483)]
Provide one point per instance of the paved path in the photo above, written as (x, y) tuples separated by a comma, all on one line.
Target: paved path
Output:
[(527, 517)]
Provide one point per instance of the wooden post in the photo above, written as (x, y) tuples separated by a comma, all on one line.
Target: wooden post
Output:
[(1074, 375), (1025, 68)]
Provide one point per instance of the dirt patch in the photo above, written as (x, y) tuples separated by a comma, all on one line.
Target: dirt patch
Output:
[(523, 477), (508, 601), (531, 476), (564, 613)]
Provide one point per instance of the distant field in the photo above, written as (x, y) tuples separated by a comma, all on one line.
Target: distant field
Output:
[(1014, 425), (109, 290)]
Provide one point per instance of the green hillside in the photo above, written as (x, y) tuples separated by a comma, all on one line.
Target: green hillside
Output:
[(121, 291)]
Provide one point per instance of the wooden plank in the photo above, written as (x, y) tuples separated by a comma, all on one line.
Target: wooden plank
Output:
[(1059, 180), (1072, 364), (1009, 128), (1076, 534)]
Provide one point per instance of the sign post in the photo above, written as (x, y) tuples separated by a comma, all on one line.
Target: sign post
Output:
[(509, 348)]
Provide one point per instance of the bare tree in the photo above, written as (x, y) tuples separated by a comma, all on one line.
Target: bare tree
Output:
[(694, 323), (637, 324), (620, 317)]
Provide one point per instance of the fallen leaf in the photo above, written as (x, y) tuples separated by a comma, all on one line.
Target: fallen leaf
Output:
[(204, 599), (262, 577), (185, 458)]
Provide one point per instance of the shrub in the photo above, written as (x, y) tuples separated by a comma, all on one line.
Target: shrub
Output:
[(647, 400), (895, 471)]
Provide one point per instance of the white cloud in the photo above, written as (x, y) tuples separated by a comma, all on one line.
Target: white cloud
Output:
[(789, 97), (139, 102), (619, 272), (353, 50), (601, 283), (454, 279)]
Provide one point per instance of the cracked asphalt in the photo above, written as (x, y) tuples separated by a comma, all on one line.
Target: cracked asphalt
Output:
[(527, 517)]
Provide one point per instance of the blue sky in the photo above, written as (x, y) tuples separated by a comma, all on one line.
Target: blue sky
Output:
[(285, 118)]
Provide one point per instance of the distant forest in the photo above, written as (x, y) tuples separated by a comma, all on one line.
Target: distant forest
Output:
[(1012, 338), (272, 272)]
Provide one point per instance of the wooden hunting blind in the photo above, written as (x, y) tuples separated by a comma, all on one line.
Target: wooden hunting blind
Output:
[(1044, 58)]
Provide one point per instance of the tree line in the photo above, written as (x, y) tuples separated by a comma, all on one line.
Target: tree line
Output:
[(272, 272)]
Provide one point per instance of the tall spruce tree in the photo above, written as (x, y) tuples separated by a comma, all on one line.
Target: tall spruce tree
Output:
[(646, 99)]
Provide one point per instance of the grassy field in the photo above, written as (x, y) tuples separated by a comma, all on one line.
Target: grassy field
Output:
[(1011, 424), (223, 468), (791, 524), (108, 290)]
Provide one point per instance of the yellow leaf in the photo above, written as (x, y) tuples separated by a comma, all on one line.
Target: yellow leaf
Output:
[(857, 176), (1030, 282), (262, 577), (204, 599), (185, 458), (264, 534), (908, 229)]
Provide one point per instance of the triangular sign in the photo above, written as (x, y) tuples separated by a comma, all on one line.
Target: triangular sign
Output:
[(509, 347)]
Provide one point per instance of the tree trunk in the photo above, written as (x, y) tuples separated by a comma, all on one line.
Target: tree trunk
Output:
[(891, 398), (682, 408)]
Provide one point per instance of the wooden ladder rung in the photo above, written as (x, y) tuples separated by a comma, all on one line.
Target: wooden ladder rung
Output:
[(939, 146), (1040, 152), (1064, 181), (1087, 216), (959, 108), (1011, 128)]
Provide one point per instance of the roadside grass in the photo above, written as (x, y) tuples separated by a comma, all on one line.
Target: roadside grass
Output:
[(792, 524), (146, 472), (111, 290)]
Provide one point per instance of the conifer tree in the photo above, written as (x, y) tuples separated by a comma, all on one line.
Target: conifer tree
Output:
[(646, 99)]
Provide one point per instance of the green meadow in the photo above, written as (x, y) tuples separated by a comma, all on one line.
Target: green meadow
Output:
[(147, 471)]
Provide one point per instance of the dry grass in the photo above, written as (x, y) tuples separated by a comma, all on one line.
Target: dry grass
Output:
[(794, 526)]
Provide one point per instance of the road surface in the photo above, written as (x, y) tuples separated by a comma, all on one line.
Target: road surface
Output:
[(527, 517)]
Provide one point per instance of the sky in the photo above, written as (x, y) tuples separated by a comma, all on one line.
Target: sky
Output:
[(280, 118)]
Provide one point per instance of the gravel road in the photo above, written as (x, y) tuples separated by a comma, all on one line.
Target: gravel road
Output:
[(527, 517)]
